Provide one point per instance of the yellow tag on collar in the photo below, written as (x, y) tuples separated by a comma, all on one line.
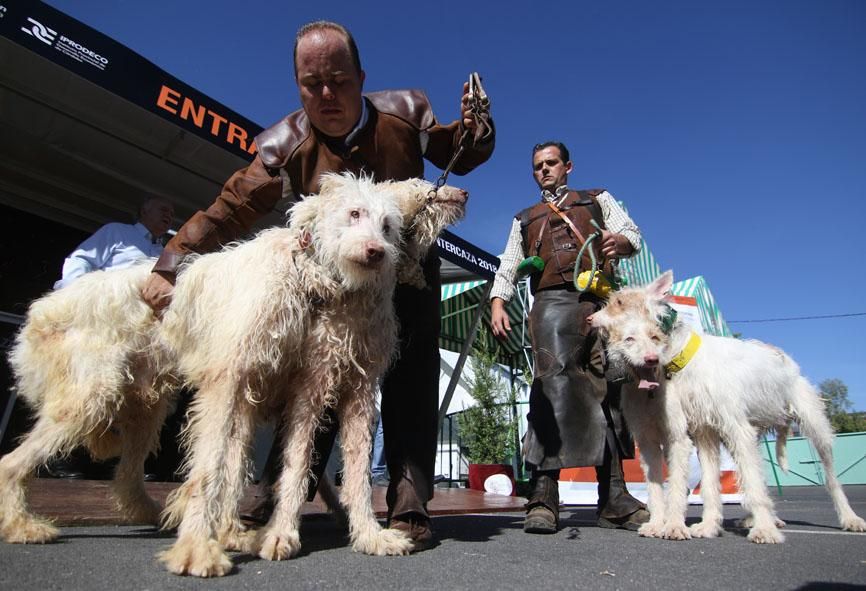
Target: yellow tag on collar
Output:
[(683, 357)]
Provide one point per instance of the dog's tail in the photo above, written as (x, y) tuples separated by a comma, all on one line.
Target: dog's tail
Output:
[(808, 409), (782, 432)]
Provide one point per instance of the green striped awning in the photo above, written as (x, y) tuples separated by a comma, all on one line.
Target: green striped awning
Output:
[(640, 269), (458, 306), (449, 290)]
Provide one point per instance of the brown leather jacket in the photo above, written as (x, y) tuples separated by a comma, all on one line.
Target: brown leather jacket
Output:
[(388, 147), (545, 234)]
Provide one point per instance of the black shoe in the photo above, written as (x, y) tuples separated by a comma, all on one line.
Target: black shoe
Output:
[(60, 468), (540, 520), (631, 522)]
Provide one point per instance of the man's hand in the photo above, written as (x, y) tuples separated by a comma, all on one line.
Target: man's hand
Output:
[(499, 319), (615, 245), (157, 291)]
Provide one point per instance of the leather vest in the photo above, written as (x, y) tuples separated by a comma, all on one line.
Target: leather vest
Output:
[(395, 120), (545, 234)]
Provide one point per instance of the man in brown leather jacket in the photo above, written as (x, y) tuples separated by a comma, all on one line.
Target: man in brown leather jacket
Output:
[(574, 416), (387, 134)]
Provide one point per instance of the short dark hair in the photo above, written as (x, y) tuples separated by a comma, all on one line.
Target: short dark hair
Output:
[(563, 151), (327, 26)]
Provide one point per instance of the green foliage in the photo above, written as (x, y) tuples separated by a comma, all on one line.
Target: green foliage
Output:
[(488, 429), (838, 407)]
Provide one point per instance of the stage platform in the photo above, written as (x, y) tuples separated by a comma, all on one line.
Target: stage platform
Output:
[(88, 502)]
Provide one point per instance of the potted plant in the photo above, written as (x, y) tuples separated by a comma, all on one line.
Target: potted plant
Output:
[(488, 429)]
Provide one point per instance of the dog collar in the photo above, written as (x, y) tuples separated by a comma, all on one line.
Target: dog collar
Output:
[(683, 357)]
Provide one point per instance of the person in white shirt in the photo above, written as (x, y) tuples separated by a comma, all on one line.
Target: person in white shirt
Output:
[(117, 245), (574, 418)]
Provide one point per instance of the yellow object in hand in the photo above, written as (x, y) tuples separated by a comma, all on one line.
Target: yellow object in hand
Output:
[(600, 285)]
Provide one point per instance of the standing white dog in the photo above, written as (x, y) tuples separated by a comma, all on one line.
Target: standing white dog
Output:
[(294, 320), (716, 390)]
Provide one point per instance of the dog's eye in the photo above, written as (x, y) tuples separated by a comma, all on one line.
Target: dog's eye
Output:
[(386, 229), (355, 214), (629, 339), (655, 339)]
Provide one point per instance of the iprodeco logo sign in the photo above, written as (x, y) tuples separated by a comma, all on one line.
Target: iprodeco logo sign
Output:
[(70, 47), (40, 31)]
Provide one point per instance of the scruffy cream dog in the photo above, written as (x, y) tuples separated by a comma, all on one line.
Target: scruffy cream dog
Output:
[(292, 321), (716, 390)]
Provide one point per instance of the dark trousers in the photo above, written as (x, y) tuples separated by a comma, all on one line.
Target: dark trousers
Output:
[(410, 400)]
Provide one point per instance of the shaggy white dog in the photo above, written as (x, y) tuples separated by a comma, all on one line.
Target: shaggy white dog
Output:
[(295, 320), (716, 390)]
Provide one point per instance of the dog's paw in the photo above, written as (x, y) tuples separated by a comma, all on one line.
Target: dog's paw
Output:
[(25, 529), (199, 558), (748, 522), (385, 542), (272, 546), (239, 539), (765, 535), (854, 523), (676, 531), (651, 530), (705, 529)]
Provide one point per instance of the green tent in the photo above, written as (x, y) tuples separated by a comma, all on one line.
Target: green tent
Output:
[(459, 306)]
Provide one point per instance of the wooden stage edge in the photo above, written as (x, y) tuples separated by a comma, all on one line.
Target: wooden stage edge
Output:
[(89, 502)]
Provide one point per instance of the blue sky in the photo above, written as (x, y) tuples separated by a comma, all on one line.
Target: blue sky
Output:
[(735, 132)]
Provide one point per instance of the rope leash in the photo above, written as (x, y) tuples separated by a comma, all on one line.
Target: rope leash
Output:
[(594, 267)]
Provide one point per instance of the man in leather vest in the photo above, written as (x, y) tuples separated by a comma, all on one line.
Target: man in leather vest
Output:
[(386, 134), (574, 416)]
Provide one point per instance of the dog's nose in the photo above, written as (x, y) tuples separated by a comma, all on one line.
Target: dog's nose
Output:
[(589, 319), (651, 359), (375, 252), (465, 194)]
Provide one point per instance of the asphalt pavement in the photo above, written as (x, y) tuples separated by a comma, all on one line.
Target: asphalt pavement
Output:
[(480, 552)]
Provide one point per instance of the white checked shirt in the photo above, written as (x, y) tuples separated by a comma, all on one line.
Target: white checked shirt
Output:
[(615, 218)]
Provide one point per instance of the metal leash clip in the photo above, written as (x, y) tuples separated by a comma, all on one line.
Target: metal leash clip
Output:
[(479, 108)]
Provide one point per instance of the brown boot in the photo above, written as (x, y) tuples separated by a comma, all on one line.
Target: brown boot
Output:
[(542, 509), (631, 522), (417, 528), (257, 509), (540, 520)]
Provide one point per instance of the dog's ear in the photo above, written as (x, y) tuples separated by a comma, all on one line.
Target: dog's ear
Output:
[(332, 182), (405, 202), (661, 287), (303, 215)]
